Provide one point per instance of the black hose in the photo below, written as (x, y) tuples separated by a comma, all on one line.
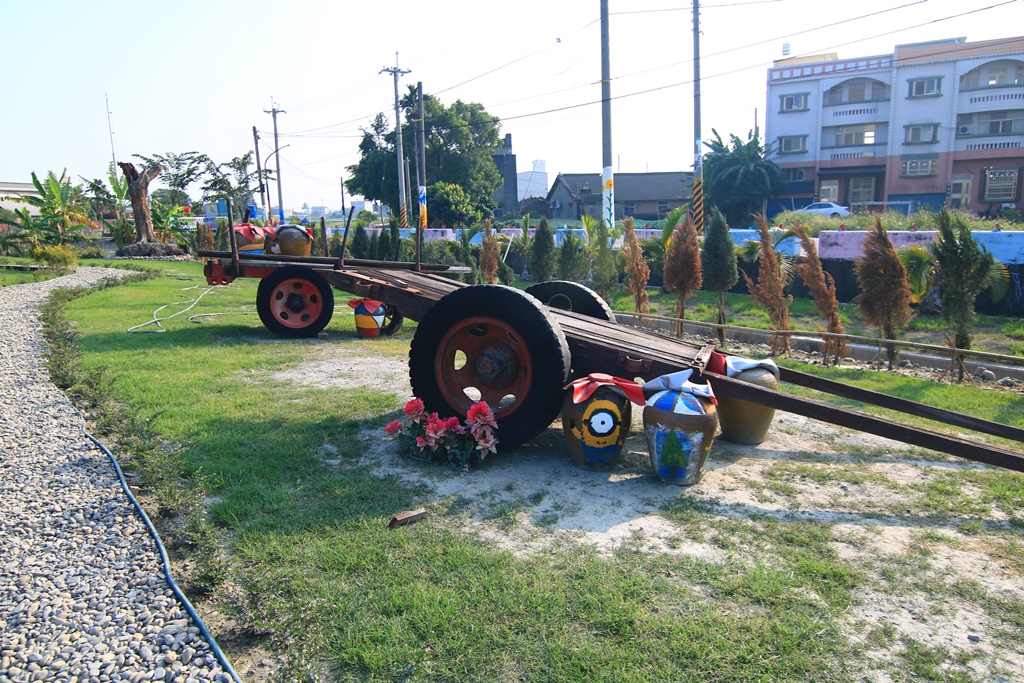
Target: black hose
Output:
[(217, 652)]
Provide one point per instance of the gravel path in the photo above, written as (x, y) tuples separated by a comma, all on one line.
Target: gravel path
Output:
[(82, 591)]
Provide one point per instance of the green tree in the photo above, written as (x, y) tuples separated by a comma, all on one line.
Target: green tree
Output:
[(572, 263), (964, 272), (739, 179), (450, 206), (543, 258), (459, 139), (180, 171), (718, 260), (27, 228), (605, 277), (61, 205), (360, 244), (884, 298), (232, 181)]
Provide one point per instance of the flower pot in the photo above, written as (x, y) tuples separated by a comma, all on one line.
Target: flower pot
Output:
[(294, 240), (596, 428), (744, 422), (680, 429)]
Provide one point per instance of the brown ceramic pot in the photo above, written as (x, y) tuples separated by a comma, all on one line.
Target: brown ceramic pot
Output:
[(293, 240), (745, 422)]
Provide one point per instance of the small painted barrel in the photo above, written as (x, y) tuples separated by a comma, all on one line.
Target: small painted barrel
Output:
[(680, 429), (596, 428), (294, 240), (745, 422), (369, 314), (249, 238)]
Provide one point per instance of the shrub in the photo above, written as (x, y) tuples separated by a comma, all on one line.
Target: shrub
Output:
[(58, 257), (92, 251)]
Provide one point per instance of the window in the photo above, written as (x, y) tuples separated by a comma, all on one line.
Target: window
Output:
[(793, 144), (797, 102), (861, 190), (629, 208), (1000, 123), (856, 92), (998, 74), (829, 191), (849, 136), (794, 175), (1001, 184), (916, 167), (879, 91), (919, 134), (925, 87), (662, 207)]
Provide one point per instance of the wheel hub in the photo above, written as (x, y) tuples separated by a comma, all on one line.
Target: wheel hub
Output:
[(295, 302), (496, 366)]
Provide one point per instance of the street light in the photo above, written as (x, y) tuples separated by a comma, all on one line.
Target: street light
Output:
[(269, 200)]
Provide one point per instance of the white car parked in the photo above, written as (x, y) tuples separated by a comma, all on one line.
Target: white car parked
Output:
[(825, 209)]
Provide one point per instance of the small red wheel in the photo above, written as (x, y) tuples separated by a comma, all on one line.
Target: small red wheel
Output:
[(295, 302)]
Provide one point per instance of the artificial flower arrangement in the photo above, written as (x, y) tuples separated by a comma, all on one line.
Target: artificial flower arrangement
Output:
[(428, 437)]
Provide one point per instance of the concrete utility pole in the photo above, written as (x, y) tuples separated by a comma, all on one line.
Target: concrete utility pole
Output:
[(277, 158), (421, 169), (259, 171), (607, 176), (697, 203), (403, 216)]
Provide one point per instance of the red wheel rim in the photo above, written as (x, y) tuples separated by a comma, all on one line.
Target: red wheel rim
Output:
[(483, 359), (296, 303)]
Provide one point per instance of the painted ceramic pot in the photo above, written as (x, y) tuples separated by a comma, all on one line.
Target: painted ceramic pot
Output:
[(742, 421), (249, 238), (596, 428), (369, 314), (294, 240), (680, 429)]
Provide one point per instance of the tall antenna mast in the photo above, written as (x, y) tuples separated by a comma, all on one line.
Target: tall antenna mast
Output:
[(110, 128), (403, 216)]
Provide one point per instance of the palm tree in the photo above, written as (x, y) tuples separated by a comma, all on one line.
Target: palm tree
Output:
[(740, 179), (61, 205)]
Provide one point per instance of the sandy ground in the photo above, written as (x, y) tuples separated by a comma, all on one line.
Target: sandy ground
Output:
[(866, 487)]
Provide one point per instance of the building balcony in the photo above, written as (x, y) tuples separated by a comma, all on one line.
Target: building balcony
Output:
[(856, 113), (984, 143), (853, 152), (991, 99)]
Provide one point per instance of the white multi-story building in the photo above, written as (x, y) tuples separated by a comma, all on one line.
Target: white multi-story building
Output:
[(933, 124)]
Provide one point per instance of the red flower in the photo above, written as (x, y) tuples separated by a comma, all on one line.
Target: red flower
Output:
[(414, 409), (480, 414), (393, 427)]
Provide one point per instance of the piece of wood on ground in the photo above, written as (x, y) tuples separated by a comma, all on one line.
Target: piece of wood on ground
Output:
[(407, 517)]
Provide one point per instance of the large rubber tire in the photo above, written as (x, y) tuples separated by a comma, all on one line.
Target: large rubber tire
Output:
[(572, 296), (497, 344), (295, 302)]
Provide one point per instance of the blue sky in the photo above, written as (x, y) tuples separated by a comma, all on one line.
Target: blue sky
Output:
[(199, 74)]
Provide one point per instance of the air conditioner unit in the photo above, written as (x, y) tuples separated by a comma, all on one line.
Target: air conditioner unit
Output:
[(964, 130)]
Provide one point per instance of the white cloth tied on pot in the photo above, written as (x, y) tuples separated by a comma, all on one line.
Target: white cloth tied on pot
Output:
[(734, 365)]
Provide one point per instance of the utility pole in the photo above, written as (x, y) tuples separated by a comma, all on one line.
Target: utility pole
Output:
[(110, 127), (421, 169), (274, 111), (259, 171), (607, 175), (403, 217), (342, 195), (697, 202)]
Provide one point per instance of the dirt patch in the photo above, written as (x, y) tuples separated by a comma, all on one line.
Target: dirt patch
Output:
[(936, 578)]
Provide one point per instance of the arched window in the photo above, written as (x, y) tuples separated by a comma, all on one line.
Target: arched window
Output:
[(857, 90), (998, 74)]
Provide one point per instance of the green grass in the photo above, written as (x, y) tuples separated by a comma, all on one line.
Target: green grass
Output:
[(10, 276), (316, 573)]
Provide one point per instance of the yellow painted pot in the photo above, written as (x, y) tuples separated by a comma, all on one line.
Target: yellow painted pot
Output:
[(745, 422)]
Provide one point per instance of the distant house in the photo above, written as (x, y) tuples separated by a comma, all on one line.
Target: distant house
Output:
[(11, 192), (644, 196)]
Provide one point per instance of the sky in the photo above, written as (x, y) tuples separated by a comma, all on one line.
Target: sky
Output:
[(197, 75)]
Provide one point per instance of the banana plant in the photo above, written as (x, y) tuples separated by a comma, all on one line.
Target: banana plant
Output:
[(61, 205), (29, 229)]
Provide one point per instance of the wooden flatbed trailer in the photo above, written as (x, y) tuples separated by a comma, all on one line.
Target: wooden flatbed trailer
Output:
[(517, 350)]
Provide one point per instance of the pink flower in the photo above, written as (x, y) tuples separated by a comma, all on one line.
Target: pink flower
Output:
[(393, 427), (414, 409), (452, 423), (480, 414)]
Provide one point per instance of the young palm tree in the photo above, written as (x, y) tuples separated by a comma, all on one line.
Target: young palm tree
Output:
[(28, 229), (61, 205), (740, 179)]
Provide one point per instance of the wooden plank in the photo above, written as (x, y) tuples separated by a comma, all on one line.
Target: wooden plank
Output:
[(844, 417), (407, 518), (835, 388), (329, 262)]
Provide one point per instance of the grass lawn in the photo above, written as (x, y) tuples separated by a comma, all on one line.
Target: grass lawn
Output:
[(315, 573)]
